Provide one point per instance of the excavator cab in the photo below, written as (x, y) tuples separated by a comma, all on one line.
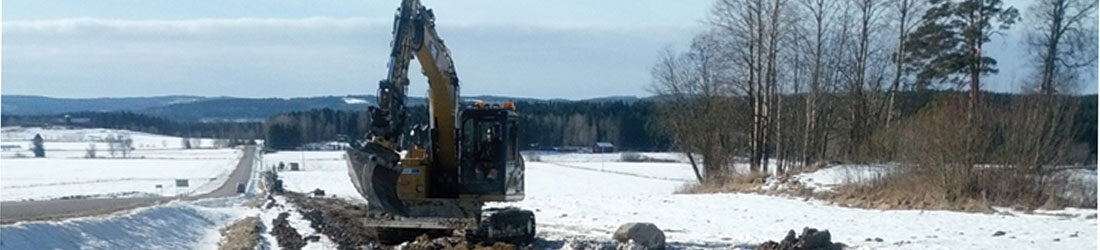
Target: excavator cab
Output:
[(490, 166)]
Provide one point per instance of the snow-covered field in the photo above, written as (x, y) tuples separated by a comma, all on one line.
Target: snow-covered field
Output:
[(65, 171), (573, 202), (580, 197), (326, 170), (176, 225), (578, 201)]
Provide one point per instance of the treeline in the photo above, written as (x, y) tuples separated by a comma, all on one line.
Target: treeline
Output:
[(543, 125), (291, 130), (627, 125), (143, 123), (884, 81)]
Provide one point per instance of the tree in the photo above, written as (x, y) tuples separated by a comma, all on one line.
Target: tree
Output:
[(820, 12), (905, 15), (112, 145), (1063, 41), (868, 17), (755, 31), (126, 144), (949, 42), (694, 108), (38, 146), (90, 152)]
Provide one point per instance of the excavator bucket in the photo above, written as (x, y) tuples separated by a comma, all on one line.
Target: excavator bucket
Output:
[(374, 171)]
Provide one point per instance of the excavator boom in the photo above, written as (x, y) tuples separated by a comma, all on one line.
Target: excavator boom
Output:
[(413, 35), (472, 156)]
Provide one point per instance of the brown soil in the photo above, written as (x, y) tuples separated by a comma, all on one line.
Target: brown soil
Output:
[(342, 222), (285, 234)]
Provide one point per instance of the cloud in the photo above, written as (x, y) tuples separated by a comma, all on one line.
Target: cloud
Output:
[(285, 57), (70, 25), (257, 57)]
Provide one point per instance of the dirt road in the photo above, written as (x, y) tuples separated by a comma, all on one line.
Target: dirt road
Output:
[(11, 212)]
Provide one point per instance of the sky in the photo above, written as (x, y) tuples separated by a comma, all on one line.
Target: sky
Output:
[(569, 49)]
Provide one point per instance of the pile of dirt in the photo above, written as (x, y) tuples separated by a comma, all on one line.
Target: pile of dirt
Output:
[(243, 234), (285, 234), (810, 239), (340, 220), (424, 242)]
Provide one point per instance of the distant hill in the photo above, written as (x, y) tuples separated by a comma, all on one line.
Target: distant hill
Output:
[(210, 109), (33, 105)]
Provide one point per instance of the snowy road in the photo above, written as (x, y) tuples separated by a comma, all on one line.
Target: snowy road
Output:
[(60, 209)]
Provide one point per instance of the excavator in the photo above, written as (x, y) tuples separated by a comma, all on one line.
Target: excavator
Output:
[(470, 157)]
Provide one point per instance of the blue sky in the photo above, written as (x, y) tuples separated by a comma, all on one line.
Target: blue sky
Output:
[(550, 49)]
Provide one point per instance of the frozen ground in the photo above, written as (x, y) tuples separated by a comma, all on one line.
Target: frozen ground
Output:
[(326, 170), (575, 205), (595, 203), (176, 225), (550, 156), (585, 197), (827, 178), (156, 160)]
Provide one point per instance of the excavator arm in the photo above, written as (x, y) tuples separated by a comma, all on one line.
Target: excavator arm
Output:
[(414, 35)]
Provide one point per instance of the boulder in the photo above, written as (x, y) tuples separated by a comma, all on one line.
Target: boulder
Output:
[(810, 239), (640, 235)]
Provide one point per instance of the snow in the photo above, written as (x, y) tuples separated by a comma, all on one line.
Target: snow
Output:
[(581, 198), (349, 100), (572, 202), (79, 138), (326, 170), (295, 220), (663, 171), (827, 178), (156, 160), (550, 156), (176, 225), (584, 197)]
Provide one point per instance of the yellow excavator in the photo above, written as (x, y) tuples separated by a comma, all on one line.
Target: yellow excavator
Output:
[(470, 156)]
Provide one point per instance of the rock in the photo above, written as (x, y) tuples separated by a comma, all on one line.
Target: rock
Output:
[(313, 238), (810, 239), (640, 236), (318, 192), (998, 233), (877, 239)]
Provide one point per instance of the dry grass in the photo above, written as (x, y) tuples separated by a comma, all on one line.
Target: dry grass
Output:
[(243, 234), (904, 190), (916, 189), (738, 183), (256, 201)]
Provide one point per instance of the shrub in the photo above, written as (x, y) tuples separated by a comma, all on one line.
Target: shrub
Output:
[(632, 157)]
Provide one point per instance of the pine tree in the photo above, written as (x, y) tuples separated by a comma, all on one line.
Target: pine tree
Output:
[(949, 42)]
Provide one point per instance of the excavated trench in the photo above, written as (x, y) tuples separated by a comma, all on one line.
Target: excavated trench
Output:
[(341, 221)]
